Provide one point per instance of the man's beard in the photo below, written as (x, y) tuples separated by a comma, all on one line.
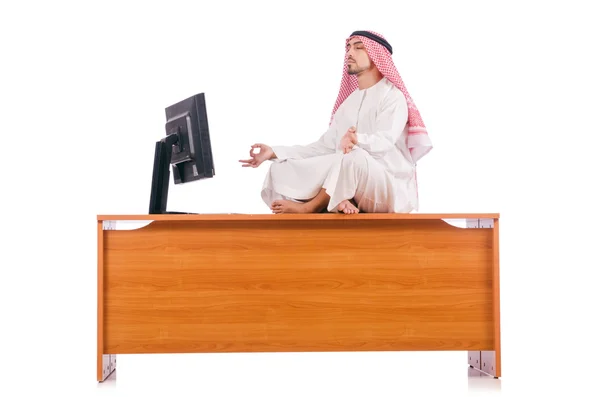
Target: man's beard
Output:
[(355, 70)]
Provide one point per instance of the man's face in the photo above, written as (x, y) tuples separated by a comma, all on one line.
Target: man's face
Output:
[(357, 59)]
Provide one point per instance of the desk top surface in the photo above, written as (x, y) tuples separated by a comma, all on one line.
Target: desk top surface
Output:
[(297, 217)]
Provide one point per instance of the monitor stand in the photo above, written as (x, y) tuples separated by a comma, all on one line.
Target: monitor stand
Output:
[(161, 174)]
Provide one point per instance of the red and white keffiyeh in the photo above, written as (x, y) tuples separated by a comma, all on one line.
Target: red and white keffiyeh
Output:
[(418, 140)]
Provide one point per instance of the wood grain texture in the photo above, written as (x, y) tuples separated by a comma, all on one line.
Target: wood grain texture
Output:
[(100, 308), (251, 285), (496, 296)]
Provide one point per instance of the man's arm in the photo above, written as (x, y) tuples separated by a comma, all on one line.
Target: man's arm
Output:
[(325, 145), (390, 124)]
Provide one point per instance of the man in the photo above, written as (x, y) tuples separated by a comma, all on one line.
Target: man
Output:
[(366, 160)]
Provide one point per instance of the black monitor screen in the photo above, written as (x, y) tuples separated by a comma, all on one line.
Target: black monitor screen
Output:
[(192, 156), (186, 148)]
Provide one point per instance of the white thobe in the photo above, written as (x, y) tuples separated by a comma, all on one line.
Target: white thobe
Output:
[(378, 173)]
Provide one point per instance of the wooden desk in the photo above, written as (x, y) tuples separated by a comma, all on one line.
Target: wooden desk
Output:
[(298, 283)]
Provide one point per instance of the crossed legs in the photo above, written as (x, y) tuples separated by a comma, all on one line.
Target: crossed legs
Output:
[(356, 177)]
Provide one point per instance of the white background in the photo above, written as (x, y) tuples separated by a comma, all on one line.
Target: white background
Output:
[(508, 90)]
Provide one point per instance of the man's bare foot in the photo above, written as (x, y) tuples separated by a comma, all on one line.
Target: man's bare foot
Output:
[(290, 207), (347, 207)]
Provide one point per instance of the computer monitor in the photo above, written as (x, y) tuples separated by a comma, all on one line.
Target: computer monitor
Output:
[(186, 149)]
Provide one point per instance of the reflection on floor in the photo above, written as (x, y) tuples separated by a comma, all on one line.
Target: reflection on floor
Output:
[(477, 381), (481, 380)]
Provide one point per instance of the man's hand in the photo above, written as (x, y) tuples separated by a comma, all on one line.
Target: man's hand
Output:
[(265, 153), (349, 140)]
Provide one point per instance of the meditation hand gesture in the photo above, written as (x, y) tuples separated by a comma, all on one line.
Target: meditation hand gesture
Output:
[(349, 140), (265, 153)]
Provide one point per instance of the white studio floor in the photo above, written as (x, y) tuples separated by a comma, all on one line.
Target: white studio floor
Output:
[(327, 374)]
